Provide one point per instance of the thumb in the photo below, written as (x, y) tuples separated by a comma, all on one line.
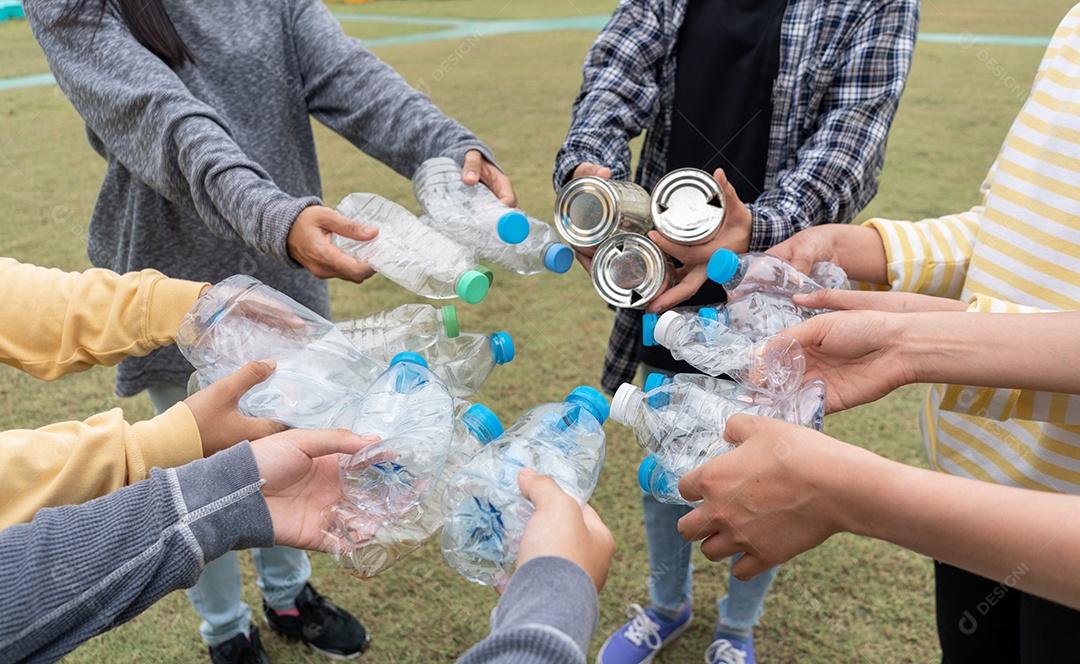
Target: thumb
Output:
[(236, 384), (748, 566), (470, 172), (335, 222), (731, 197), (540, 490)]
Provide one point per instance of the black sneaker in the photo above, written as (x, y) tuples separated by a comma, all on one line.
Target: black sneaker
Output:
[(324, 627), (240, 649)]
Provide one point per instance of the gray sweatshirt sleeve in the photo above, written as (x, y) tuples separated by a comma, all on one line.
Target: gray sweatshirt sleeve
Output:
[(143, 115), (547, 615), (362, 98), (76, 571)]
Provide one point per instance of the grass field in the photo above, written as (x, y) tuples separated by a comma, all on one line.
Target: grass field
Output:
[(849, 600)]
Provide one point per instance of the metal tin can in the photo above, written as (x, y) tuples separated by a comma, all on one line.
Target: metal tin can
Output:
[(687, 206), (629, 270), (589, 210)]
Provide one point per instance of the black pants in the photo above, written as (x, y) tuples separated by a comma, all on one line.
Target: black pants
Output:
[(982, 621)]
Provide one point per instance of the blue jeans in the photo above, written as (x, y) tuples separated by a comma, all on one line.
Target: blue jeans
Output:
[(216, 596), (670, 571)]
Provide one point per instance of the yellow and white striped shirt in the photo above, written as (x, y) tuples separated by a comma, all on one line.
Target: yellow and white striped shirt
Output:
[(1018, 252)]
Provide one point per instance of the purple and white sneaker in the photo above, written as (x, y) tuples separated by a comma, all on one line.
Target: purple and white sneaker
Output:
[(730, 649), (638, 641)]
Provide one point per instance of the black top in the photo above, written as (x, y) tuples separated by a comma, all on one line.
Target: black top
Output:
[(727, 59)]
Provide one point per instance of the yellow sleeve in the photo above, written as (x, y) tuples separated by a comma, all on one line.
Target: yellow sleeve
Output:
[(929, 256), (73, 462), (57, 322), (1004, 404)]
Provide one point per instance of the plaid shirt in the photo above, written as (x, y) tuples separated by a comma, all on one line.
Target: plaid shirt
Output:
[(843, 65)]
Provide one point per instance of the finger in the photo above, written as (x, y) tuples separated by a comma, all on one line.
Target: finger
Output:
[(740, 427), (236, 384), (594, 170), (335, 222), (718, 547), (832, 298), (748, 566), (498, 183), (470, 171), (699, 523), (731, 197), (690, 485), (542, 491), (680, 292), (320, 442)]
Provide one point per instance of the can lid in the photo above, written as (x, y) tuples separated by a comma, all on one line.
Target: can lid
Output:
[(450, 321), (655, 380), (513, 227), (709, 313), (558, 258), (645, 472), (629, 270), (502, 347), (622, 402), (648, 324), (408, 358), (473, 286), (587, 211), (687, 206), (483, 423), (592, 400), (665, 328), (722, 266)]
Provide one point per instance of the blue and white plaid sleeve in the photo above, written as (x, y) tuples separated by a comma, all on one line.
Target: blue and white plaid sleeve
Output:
[(620, 92), (837, 167)]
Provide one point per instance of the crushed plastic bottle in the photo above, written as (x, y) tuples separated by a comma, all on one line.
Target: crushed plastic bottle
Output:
[(760, 273), (411, 254), (410, 327), (320, 376), (754, 315), (365, 547), (409, 408), (465, 362), (485, 512), (774, 365), (475, 217)]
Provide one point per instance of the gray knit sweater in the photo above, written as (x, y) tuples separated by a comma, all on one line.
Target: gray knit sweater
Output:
[(209, 166), (80, 570)]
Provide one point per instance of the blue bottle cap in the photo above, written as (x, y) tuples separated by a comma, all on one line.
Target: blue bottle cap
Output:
[(409, 358), (502, 347), (558, 258), (592, 400), (722, 266), (709, 313), (513, 227), (648, 326), (655, 380), (645, 471), (484, 424), (473, 286)]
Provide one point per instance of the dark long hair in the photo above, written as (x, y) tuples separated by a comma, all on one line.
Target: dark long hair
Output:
[(149, 24)]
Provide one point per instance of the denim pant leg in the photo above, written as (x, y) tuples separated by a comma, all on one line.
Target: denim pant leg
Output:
[(745, 601), (670, 578), (282, 574)]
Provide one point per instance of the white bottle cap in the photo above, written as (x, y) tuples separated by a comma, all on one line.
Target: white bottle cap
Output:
[(622, 403), (665, 328)]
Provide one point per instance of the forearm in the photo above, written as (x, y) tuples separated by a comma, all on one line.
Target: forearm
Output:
[(961, 521), (861, 253), (59, 322), (77, 571)]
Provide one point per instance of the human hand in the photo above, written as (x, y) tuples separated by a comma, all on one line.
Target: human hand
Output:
[(594, 170), (561, 528), (220, 422), (768, 498), (888, 301), (479, 169), (734, 234), (300, 467), (311, 243)]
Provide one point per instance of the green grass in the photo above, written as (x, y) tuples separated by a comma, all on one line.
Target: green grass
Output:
[(849, 600)]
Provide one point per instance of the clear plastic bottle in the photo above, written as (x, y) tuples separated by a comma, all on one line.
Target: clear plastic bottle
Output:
[(409, 327), (485, 512), (774, 365), (365, 548), (475, 217), (762, 273), (754, 315), (320, 375), (465, 362), (411, 254), (409, 408)]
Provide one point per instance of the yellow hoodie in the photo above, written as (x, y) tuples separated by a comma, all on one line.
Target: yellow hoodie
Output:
[(53, 323)]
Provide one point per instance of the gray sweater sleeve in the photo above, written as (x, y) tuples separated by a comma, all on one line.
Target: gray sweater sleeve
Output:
[(141, 113), (547, 615), (350, 90), (76, 571)]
